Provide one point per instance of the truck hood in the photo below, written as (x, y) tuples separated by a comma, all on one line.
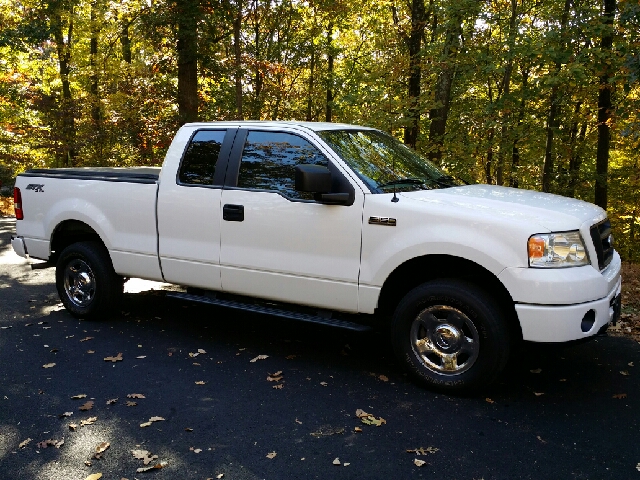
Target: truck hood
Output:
[(552, 212)]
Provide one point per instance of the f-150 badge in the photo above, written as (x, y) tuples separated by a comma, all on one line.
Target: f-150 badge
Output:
[(38, 188)]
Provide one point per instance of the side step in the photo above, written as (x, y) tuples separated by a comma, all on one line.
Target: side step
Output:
[(271, 310)]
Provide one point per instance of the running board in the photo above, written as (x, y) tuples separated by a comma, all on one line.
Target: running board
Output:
[(269, 310)]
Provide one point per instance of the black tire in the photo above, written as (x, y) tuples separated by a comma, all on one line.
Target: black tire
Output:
[(451, 335), (87, 284)]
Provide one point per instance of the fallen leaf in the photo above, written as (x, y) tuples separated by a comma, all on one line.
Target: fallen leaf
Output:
[(102, 447), (111, 401), (73, 427), (24, 443), (336, 461), (78, 397), (48, 365), (384, 378), (298, 422), (200, 350), (117, 358), (537, 394), (131, 404), (156, 419), (537, 370), (278, 386), (91, 351), (418, 463), (620, 396), (541, 440), (622, 372), (259, 357), (369, 419), (638, 467), (193, 355), (87, 463), (220, 475), (145, 424), (188, 429), (86, 338), (144, 455), (87, 406), (146, 469), (357, 430), (345, 464), (200, 382), (197, 450), (51, 443), (324, 384), (94, 476), (65, 414), (488, 400), (142, 356), (275, 377), (271, 455), (327, 430), (630, 364), (424, 451), (135, 395), (88, 421)]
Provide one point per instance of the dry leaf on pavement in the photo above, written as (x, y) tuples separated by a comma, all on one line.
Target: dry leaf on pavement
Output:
[(87, 406), (50, 443), (24, 443), (144, 455), (88, 421), (418, 463), (65, 414), (369, 419), (271, 455), (146, 469), (102, 447), (49, 365), (131, 404), (200, 382), (78, 397), (620, 396), (336, 461), (274, 377), (117, 358), (111, 401), (259, 357), (94, 476), (135, 395)]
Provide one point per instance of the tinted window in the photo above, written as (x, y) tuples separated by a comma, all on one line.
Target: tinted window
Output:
[(269, 160), (199, 162)]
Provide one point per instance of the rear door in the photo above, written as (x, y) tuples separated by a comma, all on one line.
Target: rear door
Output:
[(278, 243), (189, 211)]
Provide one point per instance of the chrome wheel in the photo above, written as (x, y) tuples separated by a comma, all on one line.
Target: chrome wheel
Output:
[(445, 340), (79, 283)]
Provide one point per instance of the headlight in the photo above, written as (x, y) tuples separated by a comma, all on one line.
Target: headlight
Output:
[(548, 250)]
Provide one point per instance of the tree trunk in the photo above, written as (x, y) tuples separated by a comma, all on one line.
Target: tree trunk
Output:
[(67, 154), (237, 24), (329, 106), (187, 17), (604, 109), (515, 150), (125, 41), (93, 62), (442, 93), (312, 74), (554, 110), (414, 43)]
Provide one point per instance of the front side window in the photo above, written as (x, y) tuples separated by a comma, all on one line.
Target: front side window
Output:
[(269, 160), (199, 162)]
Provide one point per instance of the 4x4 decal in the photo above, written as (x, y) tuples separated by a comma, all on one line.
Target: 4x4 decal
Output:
[(36, 187)]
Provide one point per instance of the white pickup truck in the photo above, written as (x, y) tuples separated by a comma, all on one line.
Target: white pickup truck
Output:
[(335, 224)]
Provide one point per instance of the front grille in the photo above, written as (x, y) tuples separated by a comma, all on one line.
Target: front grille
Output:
[(603, 241)]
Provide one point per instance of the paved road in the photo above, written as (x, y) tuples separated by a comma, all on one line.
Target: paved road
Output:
[(553, 415)]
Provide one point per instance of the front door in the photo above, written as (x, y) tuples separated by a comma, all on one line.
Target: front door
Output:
[(278, 243)]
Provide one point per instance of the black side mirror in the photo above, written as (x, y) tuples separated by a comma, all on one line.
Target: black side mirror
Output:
[(313, 178)]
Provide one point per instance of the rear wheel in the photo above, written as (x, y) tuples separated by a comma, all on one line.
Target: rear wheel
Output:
[(451, 335), (86, 282)]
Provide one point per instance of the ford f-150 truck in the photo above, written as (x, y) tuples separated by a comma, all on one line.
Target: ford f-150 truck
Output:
[(335, 224)]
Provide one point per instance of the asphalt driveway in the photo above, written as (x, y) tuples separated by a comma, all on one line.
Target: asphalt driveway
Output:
[(210, 378)]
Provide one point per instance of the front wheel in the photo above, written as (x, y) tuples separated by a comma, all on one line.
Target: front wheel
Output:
[(86, 282), (451, 335)]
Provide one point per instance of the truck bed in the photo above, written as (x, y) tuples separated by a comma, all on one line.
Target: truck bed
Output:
[(108, 174)]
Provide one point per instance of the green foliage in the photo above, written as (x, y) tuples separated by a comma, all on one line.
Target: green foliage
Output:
[(510, 62)]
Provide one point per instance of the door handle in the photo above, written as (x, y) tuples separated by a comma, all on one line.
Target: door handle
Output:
[(233, 213)]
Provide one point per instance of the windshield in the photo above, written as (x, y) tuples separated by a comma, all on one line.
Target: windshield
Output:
[(383, 163)]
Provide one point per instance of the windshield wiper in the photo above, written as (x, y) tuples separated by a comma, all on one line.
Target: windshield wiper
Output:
[(403, 181)]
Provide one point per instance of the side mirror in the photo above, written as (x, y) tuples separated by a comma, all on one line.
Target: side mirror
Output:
[(313, 178)]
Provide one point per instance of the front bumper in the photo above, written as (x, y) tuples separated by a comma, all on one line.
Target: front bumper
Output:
[(19, 246), (564, 323)]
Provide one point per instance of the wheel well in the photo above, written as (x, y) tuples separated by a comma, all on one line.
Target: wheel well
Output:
[(422, 269), (68, 232)]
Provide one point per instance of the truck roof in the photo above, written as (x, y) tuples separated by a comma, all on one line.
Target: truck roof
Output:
[(315, 126)]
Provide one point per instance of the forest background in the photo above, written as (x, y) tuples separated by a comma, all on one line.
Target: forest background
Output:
[(537, 94)]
